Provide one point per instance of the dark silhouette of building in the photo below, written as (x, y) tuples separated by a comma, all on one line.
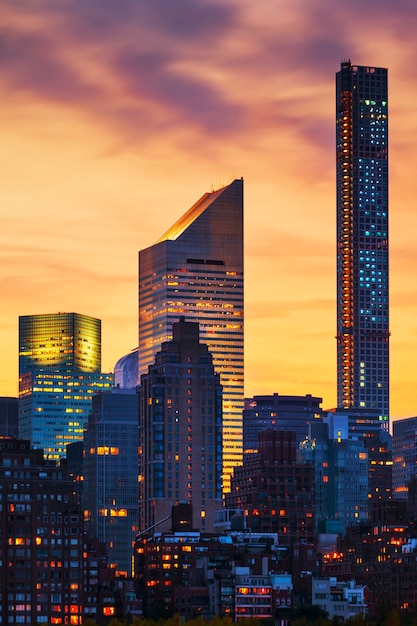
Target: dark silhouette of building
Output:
[(381, 555), (275, 490), (41, 540), (362, 239), (110, 491), (51, 571), (196, 269), (289, 413), (195, 574), (180, 431), (75, 469), (8, 417)]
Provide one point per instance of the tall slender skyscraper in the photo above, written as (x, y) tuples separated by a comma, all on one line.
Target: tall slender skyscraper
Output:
[(362, 239), (196, 270)]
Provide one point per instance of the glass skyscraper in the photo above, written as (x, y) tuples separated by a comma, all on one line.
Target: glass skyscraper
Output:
[(110, 490), (69, 342), (362, 239), (196, 270), (59, 372)]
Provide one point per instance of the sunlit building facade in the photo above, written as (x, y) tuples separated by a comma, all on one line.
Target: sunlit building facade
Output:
[(59, 372), (196, 270), (362, 239), (68, 342)]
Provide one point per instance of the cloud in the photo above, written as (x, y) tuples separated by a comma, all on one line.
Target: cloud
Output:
[(221, 68), (117, 115)]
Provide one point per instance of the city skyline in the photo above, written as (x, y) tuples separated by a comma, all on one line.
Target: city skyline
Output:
[(114, 122)]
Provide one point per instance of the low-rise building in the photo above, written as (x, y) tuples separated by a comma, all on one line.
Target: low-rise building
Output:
[(339, 599)]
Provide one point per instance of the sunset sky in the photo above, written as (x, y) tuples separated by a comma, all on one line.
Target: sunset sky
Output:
[(116, 116)]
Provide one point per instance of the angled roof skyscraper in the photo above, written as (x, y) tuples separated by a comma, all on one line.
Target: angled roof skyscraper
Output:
[(195, 270)]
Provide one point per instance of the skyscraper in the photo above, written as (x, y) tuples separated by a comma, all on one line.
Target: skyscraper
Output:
[(404, 448), (8, 417), (180, 431), (362, 239), (196, 270), (59, 372), (277, 412), (110, 490), (340, 465)]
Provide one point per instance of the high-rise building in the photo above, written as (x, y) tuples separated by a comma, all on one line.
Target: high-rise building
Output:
[(285, 413), (110, 468), (275, 489), (362, 239), (404, 452), (59, 372), (180, 431), (196, 270), (340, 465)]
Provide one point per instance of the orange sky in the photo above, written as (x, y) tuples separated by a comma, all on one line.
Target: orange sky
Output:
[(117, 116)]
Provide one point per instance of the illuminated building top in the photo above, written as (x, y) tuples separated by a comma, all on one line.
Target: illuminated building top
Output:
[(196, 270), (59, 372), (69, 342)]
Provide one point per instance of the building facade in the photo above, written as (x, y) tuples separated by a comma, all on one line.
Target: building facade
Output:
[(51, 573), (41, 540), (341, 470), (110, 486), (362, 239), (194, 574), (9, 424), (59, 372), (364, 424), (404, 453), (68, 342), (180, 431), (275, 489), (339, 599), (196, 270), (289, 413)]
